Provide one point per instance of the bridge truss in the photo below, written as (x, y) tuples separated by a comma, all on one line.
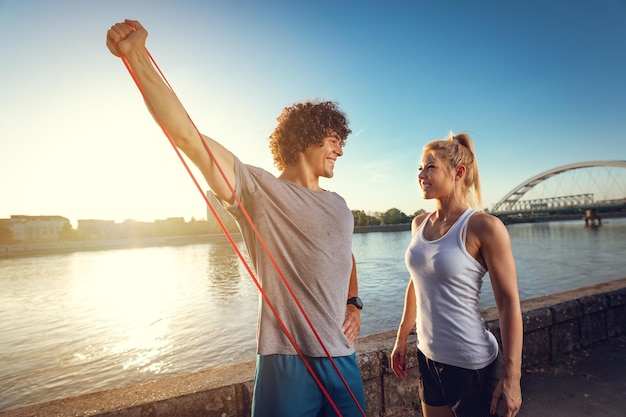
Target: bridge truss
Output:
[(579, 185)]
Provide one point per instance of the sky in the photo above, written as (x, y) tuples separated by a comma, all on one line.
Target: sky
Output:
[(537, 84)]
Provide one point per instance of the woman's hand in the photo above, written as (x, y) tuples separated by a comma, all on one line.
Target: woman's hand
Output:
[(398, 359), (511, 394)]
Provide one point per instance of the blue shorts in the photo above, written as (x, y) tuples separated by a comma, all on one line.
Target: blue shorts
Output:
[(283, 387)]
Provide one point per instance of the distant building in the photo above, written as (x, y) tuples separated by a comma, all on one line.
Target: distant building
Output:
[(6, 236), (170, 226), (37, 228), (226, 218), (97, 229)]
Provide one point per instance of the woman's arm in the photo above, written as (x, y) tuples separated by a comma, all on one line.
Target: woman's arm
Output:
[(495, 251), (398, 355)]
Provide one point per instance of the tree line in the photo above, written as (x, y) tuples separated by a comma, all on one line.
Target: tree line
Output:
[(391, 216)]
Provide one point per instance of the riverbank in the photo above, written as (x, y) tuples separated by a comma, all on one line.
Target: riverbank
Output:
[(36, 249), (546, 218)]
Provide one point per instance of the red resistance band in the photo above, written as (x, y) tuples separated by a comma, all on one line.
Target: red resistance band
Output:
[(238, 252)]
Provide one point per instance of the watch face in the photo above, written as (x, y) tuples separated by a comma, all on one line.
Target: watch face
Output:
[(356, 301)]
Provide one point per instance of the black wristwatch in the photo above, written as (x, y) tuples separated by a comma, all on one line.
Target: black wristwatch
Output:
[(356, 301)]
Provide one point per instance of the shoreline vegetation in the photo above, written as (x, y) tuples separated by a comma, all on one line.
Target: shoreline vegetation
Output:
[(35, 249), (50, 248)]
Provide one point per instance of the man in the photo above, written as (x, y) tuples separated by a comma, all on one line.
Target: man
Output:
[(307, 230)]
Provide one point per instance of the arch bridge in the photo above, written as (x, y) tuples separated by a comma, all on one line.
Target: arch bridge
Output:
[(513, 204)]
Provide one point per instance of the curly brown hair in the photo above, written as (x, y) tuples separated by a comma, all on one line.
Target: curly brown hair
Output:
[(303, 125)]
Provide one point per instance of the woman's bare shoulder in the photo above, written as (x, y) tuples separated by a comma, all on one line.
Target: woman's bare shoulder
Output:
[(417, 221), (482, 223)]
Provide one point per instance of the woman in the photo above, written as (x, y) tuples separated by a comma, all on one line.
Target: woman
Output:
[(463, 373)]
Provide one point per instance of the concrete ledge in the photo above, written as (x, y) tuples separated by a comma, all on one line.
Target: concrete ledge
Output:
[(554, 326)]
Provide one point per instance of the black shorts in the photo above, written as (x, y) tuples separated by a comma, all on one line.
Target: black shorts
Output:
[(467, 392)]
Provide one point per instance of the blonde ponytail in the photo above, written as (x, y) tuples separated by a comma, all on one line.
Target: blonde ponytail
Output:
[(458, 150)]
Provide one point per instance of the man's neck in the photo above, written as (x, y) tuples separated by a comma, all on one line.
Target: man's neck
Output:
[(300, 176)]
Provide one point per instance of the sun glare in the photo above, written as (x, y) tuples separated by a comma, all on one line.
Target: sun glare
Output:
[(131, 297)]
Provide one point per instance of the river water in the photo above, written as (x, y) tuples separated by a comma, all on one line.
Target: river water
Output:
[(87, 321)]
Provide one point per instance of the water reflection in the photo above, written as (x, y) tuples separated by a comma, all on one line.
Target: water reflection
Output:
[(127, 294), (87, 321), (559, 256), (223, 271)]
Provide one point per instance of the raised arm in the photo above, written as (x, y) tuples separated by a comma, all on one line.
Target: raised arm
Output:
[(128, 39)]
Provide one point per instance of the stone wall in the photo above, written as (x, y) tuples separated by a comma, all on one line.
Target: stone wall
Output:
[(554, 326)]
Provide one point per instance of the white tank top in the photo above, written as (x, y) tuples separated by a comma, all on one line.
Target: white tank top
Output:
[(447, 282)]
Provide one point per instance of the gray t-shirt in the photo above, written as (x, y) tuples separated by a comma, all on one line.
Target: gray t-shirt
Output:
[(309, 235)]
